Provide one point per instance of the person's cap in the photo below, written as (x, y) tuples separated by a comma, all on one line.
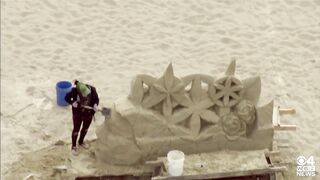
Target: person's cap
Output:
[(83, 89)]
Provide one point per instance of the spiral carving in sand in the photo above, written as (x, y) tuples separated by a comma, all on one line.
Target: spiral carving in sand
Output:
[(233, 126), (246, 111)]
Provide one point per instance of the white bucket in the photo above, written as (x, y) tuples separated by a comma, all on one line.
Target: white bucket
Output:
[(175, 162)]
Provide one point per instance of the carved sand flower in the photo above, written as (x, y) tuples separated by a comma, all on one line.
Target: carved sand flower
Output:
[(246, 111), (167, 88), (138, 90), (196, 110), (226, 91), (233, 126)]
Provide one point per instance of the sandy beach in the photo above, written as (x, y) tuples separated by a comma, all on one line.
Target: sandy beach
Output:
[(106, 42)]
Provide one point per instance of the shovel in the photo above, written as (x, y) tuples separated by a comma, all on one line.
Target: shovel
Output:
[(104, 110)]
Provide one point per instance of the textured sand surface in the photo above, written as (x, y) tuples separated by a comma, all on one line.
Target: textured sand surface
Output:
[(107, 42)]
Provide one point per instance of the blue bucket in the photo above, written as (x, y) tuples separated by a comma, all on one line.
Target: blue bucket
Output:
[(63, 87)]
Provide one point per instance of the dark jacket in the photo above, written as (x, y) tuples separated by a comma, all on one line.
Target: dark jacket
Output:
[(74, 95)]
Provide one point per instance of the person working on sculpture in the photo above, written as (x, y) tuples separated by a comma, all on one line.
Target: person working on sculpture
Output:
[(84, 100)]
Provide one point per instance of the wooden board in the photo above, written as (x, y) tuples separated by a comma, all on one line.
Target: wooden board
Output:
[(224, 164), (277, 112)]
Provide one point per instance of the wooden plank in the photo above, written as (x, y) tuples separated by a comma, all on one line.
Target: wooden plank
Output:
[(275, 145), (277, 111), (282, 164), (271, 153), (157, 165), (224, 174), (282, 127), (279, 176), (122, 177), (275, 116), (274, 160), (230, 166), (284, 145), (283, 111), (272, 177), (281, 140), (158, 162)]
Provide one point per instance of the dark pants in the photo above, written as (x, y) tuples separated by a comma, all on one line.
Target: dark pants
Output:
[(79, 119)]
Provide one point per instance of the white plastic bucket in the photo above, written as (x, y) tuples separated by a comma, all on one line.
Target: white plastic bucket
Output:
[(175, 162)]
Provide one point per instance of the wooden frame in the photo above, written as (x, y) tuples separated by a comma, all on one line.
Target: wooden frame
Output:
[(277, 112), (270, 170)]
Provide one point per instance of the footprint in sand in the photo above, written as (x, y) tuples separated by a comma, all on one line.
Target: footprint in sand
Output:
[(39, 98), (30, 90)]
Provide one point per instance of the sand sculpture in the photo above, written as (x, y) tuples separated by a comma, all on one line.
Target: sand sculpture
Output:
[(196, 113)]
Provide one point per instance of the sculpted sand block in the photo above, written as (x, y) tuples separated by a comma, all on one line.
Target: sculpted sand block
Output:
[(196, 113)]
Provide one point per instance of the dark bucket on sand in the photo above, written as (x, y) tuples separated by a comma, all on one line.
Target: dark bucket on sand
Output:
[(62, 88)]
